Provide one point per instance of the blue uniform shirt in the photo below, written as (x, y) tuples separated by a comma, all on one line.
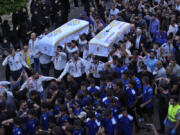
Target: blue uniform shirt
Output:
[(77, 112), (138, 84), (126, 124), (17, 131), (120, 70), (93, 126), (103, 93), (131, 95), (63, 119), (77, 131), (147, 94), (111, 125), (44, 121), (56, 110), (31, 126), (125, 82), (114, 111)]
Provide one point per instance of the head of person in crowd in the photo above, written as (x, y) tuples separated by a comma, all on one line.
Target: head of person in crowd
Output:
[(92, 83), (33, 36), (73, 44), (70, 78), (159, 64), (52, 89), (173, 62), (12, 52), (125, 75), (113, 6), (118, 86), (44, 107), (174, 100), (124, 111), (95, 59), (23, 105), (145, 80), (152, 54), (112, 17), (25, 48), (59, 49), (83, 86), (75, 56), (46, 31), (120, 62), (31, 114), (114, 59), (169, 39), (35, 75), (153, 16), (169, 70)]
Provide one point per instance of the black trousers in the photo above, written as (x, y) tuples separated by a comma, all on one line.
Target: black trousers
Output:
[(7, 73), (16, 74), (45, 69)]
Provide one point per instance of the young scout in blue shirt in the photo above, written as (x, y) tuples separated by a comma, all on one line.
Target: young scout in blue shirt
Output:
[(126, 123), (110, 123), (92, 125), (31, 122), (146, 98), (44, 121), (17, 130)]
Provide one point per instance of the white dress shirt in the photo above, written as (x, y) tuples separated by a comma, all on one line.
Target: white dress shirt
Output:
[(74, 68), (96, 68), (33, 47), (44, 59), (15, 62), (59, 61), (36, 84), (82, 45)]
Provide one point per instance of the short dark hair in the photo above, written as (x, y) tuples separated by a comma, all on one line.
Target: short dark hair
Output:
[(146, 79), (175, 98)]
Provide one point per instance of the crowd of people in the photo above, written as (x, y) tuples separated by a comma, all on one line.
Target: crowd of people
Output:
[(77, 93)]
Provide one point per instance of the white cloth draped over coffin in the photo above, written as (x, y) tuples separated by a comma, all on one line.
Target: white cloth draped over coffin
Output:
[(102, 43), (62, 35)]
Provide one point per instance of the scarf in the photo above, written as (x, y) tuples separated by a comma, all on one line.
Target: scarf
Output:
[(28, 59)]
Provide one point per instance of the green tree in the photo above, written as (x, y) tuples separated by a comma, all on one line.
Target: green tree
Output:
[(8, 6)]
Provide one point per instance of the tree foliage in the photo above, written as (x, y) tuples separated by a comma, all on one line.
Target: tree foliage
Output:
[(8, 6)]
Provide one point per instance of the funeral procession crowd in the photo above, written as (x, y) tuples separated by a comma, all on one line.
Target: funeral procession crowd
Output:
[(75, 91)]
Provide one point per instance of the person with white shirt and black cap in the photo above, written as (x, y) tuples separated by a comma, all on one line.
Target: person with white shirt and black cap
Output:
[(33, 48), (75, 67), (59, 61), (45, 63), (16, 64)]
